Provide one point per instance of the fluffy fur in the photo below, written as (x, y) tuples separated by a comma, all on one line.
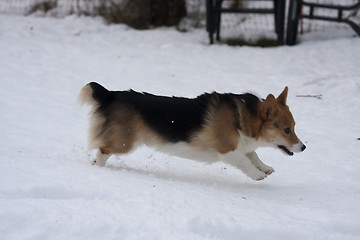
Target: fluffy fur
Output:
[(211, 127)]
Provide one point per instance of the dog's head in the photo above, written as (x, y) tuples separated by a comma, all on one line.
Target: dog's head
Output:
[(278, 124)]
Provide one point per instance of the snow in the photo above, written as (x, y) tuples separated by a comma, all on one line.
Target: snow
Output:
[(49, 189)]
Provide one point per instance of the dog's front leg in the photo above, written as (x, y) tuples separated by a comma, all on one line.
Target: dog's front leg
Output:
[(242, 162), (254, 158)]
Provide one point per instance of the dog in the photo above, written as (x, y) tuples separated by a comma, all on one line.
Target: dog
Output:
[(211, 127)]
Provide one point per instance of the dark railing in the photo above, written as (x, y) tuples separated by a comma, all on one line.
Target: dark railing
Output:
[(296, 13), (214, 10)]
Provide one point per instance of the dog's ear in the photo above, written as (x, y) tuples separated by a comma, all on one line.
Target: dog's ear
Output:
[(268, 107), (283, 96)]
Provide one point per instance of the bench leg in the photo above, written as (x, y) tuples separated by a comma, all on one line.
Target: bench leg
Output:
[(210, 15), (218, 19), (279, 9), (293, 21)]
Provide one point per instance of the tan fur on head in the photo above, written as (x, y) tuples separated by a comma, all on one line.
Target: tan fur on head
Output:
[(267, 108), (281, 99), (277, 117)]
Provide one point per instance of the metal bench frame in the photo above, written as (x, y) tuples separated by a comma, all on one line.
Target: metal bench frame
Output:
[(214, 10), (295, 14)]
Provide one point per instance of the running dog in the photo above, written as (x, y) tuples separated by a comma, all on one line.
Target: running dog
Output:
[(211, 127)]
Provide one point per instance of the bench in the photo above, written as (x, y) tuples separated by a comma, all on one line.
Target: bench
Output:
[(296, 13), (214, 9)]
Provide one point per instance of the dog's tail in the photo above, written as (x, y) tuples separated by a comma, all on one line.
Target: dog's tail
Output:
[(95, 94), (99, 98)]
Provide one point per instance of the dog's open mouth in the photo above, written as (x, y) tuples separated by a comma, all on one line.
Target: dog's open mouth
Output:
[(285, 150)]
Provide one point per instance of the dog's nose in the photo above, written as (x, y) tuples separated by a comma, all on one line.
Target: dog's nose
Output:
[(303, 147)]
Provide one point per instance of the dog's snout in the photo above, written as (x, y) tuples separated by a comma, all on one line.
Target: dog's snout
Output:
[(303, 147), (299, 147)]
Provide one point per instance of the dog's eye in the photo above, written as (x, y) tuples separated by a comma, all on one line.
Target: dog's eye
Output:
[(287, 130)]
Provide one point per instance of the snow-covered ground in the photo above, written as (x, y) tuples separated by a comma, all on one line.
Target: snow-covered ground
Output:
[(49, 189)]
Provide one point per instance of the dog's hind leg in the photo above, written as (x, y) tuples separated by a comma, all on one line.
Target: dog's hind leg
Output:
[(255, 160), (101, 158), (243, 163)]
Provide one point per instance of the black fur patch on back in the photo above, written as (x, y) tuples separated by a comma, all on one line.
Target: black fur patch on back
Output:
[(101, 95), (251, 101), (173, 118)]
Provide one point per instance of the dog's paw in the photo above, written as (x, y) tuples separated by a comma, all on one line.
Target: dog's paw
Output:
[(258, 175), (262, 177), (267, 170)]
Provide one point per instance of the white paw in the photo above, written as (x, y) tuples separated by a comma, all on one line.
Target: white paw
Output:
[(262, 177), (257, 175), (267, 170)]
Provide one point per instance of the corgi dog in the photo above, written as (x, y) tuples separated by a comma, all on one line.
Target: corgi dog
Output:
[(211, 127)]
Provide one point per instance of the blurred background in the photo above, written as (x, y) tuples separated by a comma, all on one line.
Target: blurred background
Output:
[(184, 14)]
